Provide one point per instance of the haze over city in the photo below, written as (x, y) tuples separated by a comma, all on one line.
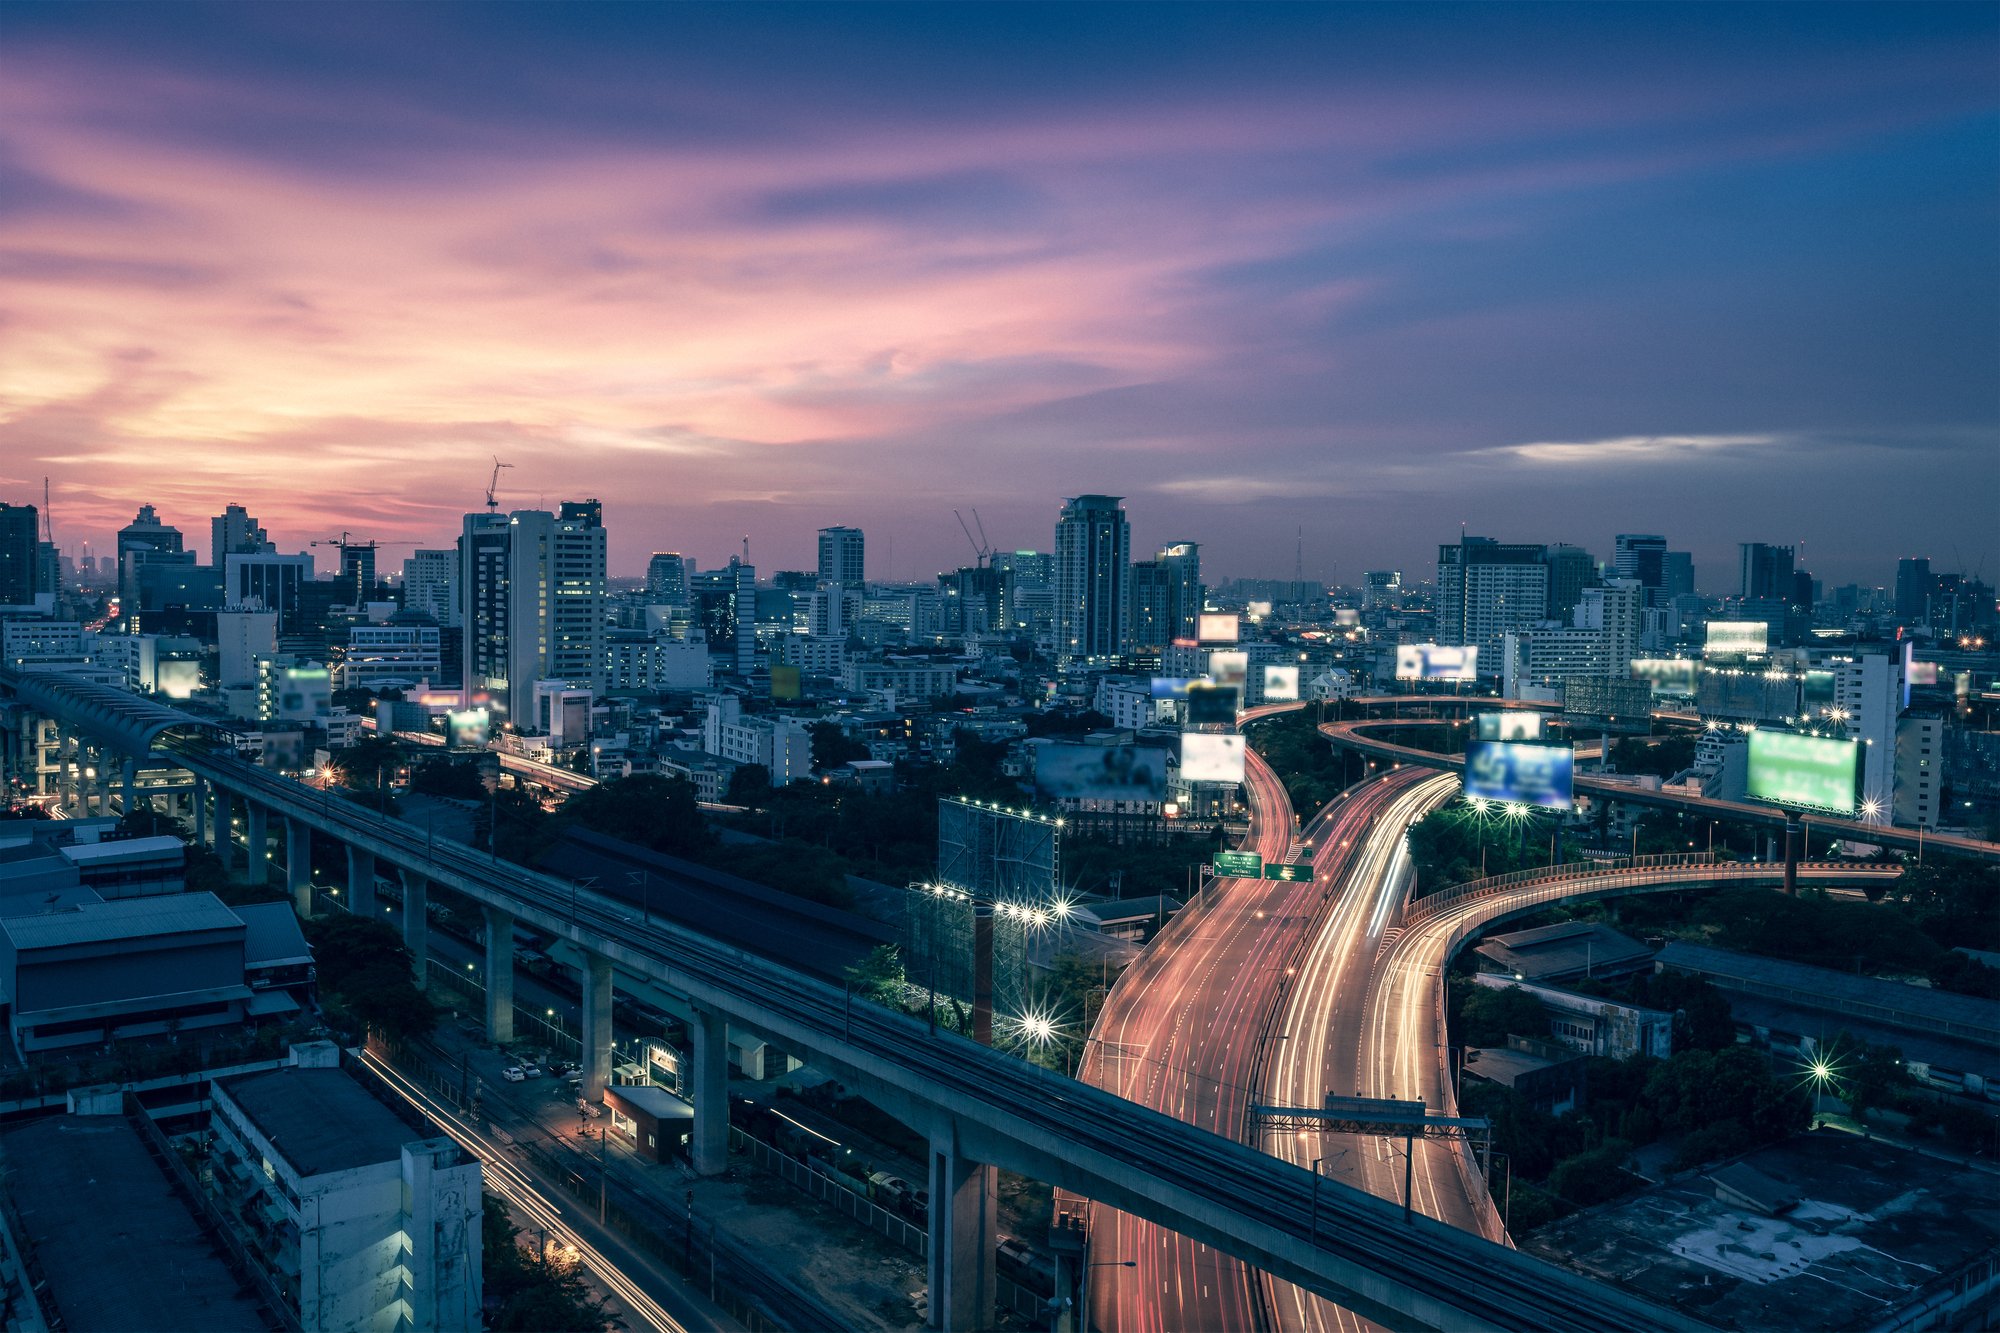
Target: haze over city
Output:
[(1728, 272)]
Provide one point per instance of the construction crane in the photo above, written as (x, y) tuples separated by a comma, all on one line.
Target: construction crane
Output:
[(492, 502), (981, 548)]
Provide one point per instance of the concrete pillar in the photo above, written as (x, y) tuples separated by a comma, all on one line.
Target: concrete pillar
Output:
[(225, 838), (128, 775), (360, 882), (417, 924), (298, 865), (963, 1234), (256, 843), (499, 976), (596, 1025), (198, 798), (707, 1090)]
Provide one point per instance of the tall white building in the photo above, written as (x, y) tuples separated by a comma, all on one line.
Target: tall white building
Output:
[(394, 654), (1485, 590), (842, 556), (430, 585), (234, 532), (532, 593), (1614, 611), (1867, 697), (1093, 559)]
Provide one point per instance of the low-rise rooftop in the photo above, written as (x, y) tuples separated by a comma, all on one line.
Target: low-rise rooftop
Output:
[(320, 1120), (1566, 949)]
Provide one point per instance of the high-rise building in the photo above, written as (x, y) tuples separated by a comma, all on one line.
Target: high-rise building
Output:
[(842, 553), (1676, 576), (1380, 588), (744, 578), (1182, 561), (1642, 556), (430, 585), (1571, 570), (356, 578), (1486, 589), (1166, 597), (269, 581), (1093, 558), (141, 539), (1766, 573), (1612, 609), (1913, 590), (1867, 700), (20, 554), (667, 579), (532, 593), (234, 532)]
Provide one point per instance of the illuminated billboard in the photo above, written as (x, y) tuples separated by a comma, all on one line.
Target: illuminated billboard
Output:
[(1229, 668), (1736, 638), (1067, 771), (1518, 773), (1257, 610), (785, 682), (1208, 705), (467, 728), (1207, 757), (1281, 684), (1520, 726), (1214, 628), (1789, 769), (1171, 687), (1667, 675), (1431, 661)]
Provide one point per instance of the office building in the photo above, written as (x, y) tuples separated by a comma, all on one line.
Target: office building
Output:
[(1919, 770), (1152, 619), (270, 582), (430, 586), (1676, 577), (1093, 558), (905, 680), (400, 653), (20, 554), (667, 579), (532, 589), (1766, 573), (1486, 590), (1613, 610), (1639, 556), (1182, 563), (359, 1220), (1914, 585), (781, 745), (244, 639), (143, 539), (1571, 570), (640, 663), (842, 554), (234, 532), (1381, 588), (978, 600), (1867, 699)]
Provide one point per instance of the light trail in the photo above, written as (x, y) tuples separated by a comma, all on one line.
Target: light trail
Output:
[(514, 1185)]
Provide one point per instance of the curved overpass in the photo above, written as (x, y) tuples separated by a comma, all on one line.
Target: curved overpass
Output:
[(1354, 736)]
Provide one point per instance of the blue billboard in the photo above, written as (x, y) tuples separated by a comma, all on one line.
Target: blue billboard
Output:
[(1518, 773)]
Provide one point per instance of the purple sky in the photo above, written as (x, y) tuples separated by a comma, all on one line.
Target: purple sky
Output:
[(1722, 273)]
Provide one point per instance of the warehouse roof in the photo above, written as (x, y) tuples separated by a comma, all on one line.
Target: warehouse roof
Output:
[(124, 918)]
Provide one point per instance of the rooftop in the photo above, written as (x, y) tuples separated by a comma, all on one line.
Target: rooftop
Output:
[(118, 1247), (272, 935), (1861, 1230), (123, 849), (1897, 1003), (1569, 948), (125, 918), (321, 1120)]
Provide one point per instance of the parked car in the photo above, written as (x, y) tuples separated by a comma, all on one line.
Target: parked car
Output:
[(514, 1074), (531, 1071)]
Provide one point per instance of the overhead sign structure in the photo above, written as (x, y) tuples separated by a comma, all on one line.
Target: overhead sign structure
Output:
[(1510, 726), (1787, 768), (1281, 684), (1432, 661), (1215, 628), (1211, 757), (1239, 865), (1519, 773), (1736, 638), (1296, 872)]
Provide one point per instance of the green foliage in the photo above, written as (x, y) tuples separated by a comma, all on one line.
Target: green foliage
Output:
[(1057, 722), (879, 976), (1450, 846), (1723, 1102), (749, 785), (1290, 743), (1701, 1012), (1965, 975), (364, 976), (1954, 900), (1488, 1015), (793, 867), (1597, 1175), (832, 747), (1093, 865), (1840, 934), (369, 764), (146, 822), (529, 1292), (441, 775), (1662, 756), (659, 813), (1868, 1076)]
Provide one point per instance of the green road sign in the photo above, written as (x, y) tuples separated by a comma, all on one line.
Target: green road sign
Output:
[(1296, 873), (1238, 865)]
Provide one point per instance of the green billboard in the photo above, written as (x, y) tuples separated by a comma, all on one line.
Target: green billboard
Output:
[(1790, 769), (1239, 865)]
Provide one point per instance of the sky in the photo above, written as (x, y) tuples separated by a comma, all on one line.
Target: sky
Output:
[(1288, 278)]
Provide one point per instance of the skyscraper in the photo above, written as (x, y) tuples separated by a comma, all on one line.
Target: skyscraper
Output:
[(144, 538), (1092, 564), (1676, 576), (1642, 556), (1766, 572), (1486, 589), (430, 585), (20, 554), (1913, 590), (842, 554), (667, 579), (532, 589), (234, 532), (1571, 570), (1166, 597), (1182, 561)]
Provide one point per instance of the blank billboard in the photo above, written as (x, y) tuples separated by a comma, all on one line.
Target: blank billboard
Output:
[(1518, 773), (1736, 637), (1065, 771), (1515, 726), (1215, 628), (1207, 757), (1789, 769), (1431, 661), (1171, 687), (1346, 617), (1281, 684), (467, 728), (1666, 675), (1229, 668), (1208, 705)]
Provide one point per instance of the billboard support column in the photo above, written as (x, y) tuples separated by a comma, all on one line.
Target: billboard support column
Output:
[(1792, 840), (982, 974)]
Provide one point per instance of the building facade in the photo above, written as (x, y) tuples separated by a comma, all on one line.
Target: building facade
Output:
[(1093, 558)]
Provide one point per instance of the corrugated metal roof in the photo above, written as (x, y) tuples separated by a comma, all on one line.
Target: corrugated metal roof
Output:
[(1842, 992), (123, 849), (273, 935), (123, 918)]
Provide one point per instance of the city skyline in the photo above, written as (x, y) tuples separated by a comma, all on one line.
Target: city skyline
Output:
[(1727, 280)]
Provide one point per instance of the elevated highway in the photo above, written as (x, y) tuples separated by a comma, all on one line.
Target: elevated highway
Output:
[(978, 1107)]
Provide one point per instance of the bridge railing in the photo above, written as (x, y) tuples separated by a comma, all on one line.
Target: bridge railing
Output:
[(1422, 909)]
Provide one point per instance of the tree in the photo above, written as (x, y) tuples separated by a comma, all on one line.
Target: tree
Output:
[(369, 764), (1595, 1176), (879, 976), (530, 1292), (656, 812), (832, 747), (1723, 1102), (1490, 1014), (365, 975), (1701, 1013), (749, 785), (797, 868), (1868, 1076), (441, 775)]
